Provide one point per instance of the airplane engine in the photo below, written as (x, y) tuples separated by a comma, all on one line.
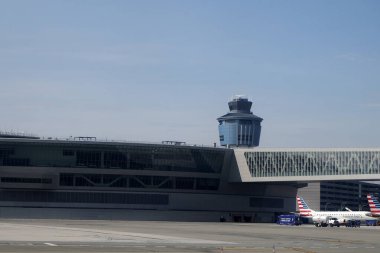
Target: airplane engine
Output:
[(342, 221), (321, 221)]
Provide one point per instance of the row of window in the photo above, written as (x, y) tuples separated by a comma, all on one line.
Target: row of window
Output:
[(339, 183), (16, 162), (350, 195), (4, 152), (148, 158), (84, 197), (138, 181), (337, 206), (26, 180), (340, 198), (340, 188), (350, 186)]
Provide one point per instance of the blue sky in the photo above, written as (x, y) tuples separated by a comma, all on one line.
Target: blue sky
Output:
[(164, 70)]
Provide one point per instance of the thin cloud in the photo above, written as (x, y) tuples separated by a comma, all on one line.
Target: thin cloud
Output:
[(133, 54), (348, 57), (372, 105), (354, 57)]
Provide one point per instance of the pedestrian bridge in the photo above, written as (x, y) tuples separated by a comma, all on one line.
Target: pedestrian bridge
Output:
[(325, 164)]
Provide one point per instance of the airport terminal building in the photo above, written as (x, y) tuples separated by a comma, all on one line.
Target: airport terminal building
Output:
[(174, 181), (86, 178)]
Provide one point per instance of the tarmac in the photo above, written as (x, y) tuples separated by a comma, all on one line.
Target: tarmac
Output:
[(20, 235)]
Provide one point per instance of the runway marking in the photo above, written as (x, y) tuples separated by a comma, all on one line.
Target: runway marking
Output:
[(76, 245), (50, 244), (108, 235)]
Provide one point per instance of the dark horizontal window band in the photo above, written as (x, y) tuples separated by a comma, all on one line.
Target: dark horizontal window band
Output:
[(16, 162), (23, 180), (85, 197), (6, 152), (266, 202), (129, 158), (138, 181), (67, 152)]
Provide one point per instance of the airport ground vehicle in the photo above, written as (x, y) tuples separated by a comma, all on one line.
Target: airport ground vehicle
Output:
[(326, 221), (289, 219), (333, 222), (320, 221), (371, 222), (353, 223)]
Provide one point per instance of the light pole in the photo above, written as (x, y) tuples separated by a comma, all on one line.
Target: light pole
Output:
[(342, 205), (327, 203)]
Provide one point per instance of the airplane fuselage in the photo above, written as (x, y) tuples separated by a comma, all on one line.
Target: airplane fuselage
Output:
[(354, 215)]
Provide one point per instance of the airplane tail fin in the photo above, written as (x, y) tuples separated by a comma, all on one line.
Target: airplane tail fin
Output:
[(374, 204), (303, 207)]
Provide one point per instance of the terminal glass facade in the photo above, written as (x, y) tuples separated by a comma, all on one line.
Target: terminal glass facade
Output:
[(126, 157), (105, 173)]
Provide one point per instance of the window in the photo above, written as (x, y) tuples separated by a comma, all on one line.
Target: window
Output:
[(26, 180), (207, 184), (16, 162), (67, 152), (184, 183), (266, 202), (66, 179), (115, 160), (84, 197), (141, 160), (89, 159), (6, 152)]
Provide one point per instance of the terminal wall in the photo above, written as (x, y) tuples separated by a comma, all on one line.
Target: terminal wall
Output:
[(61, 179)]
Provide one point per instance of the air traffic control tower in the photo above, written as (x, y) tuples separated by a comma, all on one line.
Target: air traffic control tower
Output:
[(239, 127)]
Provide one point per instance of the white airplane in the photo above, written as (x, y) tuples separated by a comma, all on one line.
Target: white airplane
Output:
[(322, 218)]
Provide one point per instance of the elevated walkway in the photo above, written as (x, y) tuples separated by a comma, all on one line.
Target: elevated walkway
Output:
[(307, 164)]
